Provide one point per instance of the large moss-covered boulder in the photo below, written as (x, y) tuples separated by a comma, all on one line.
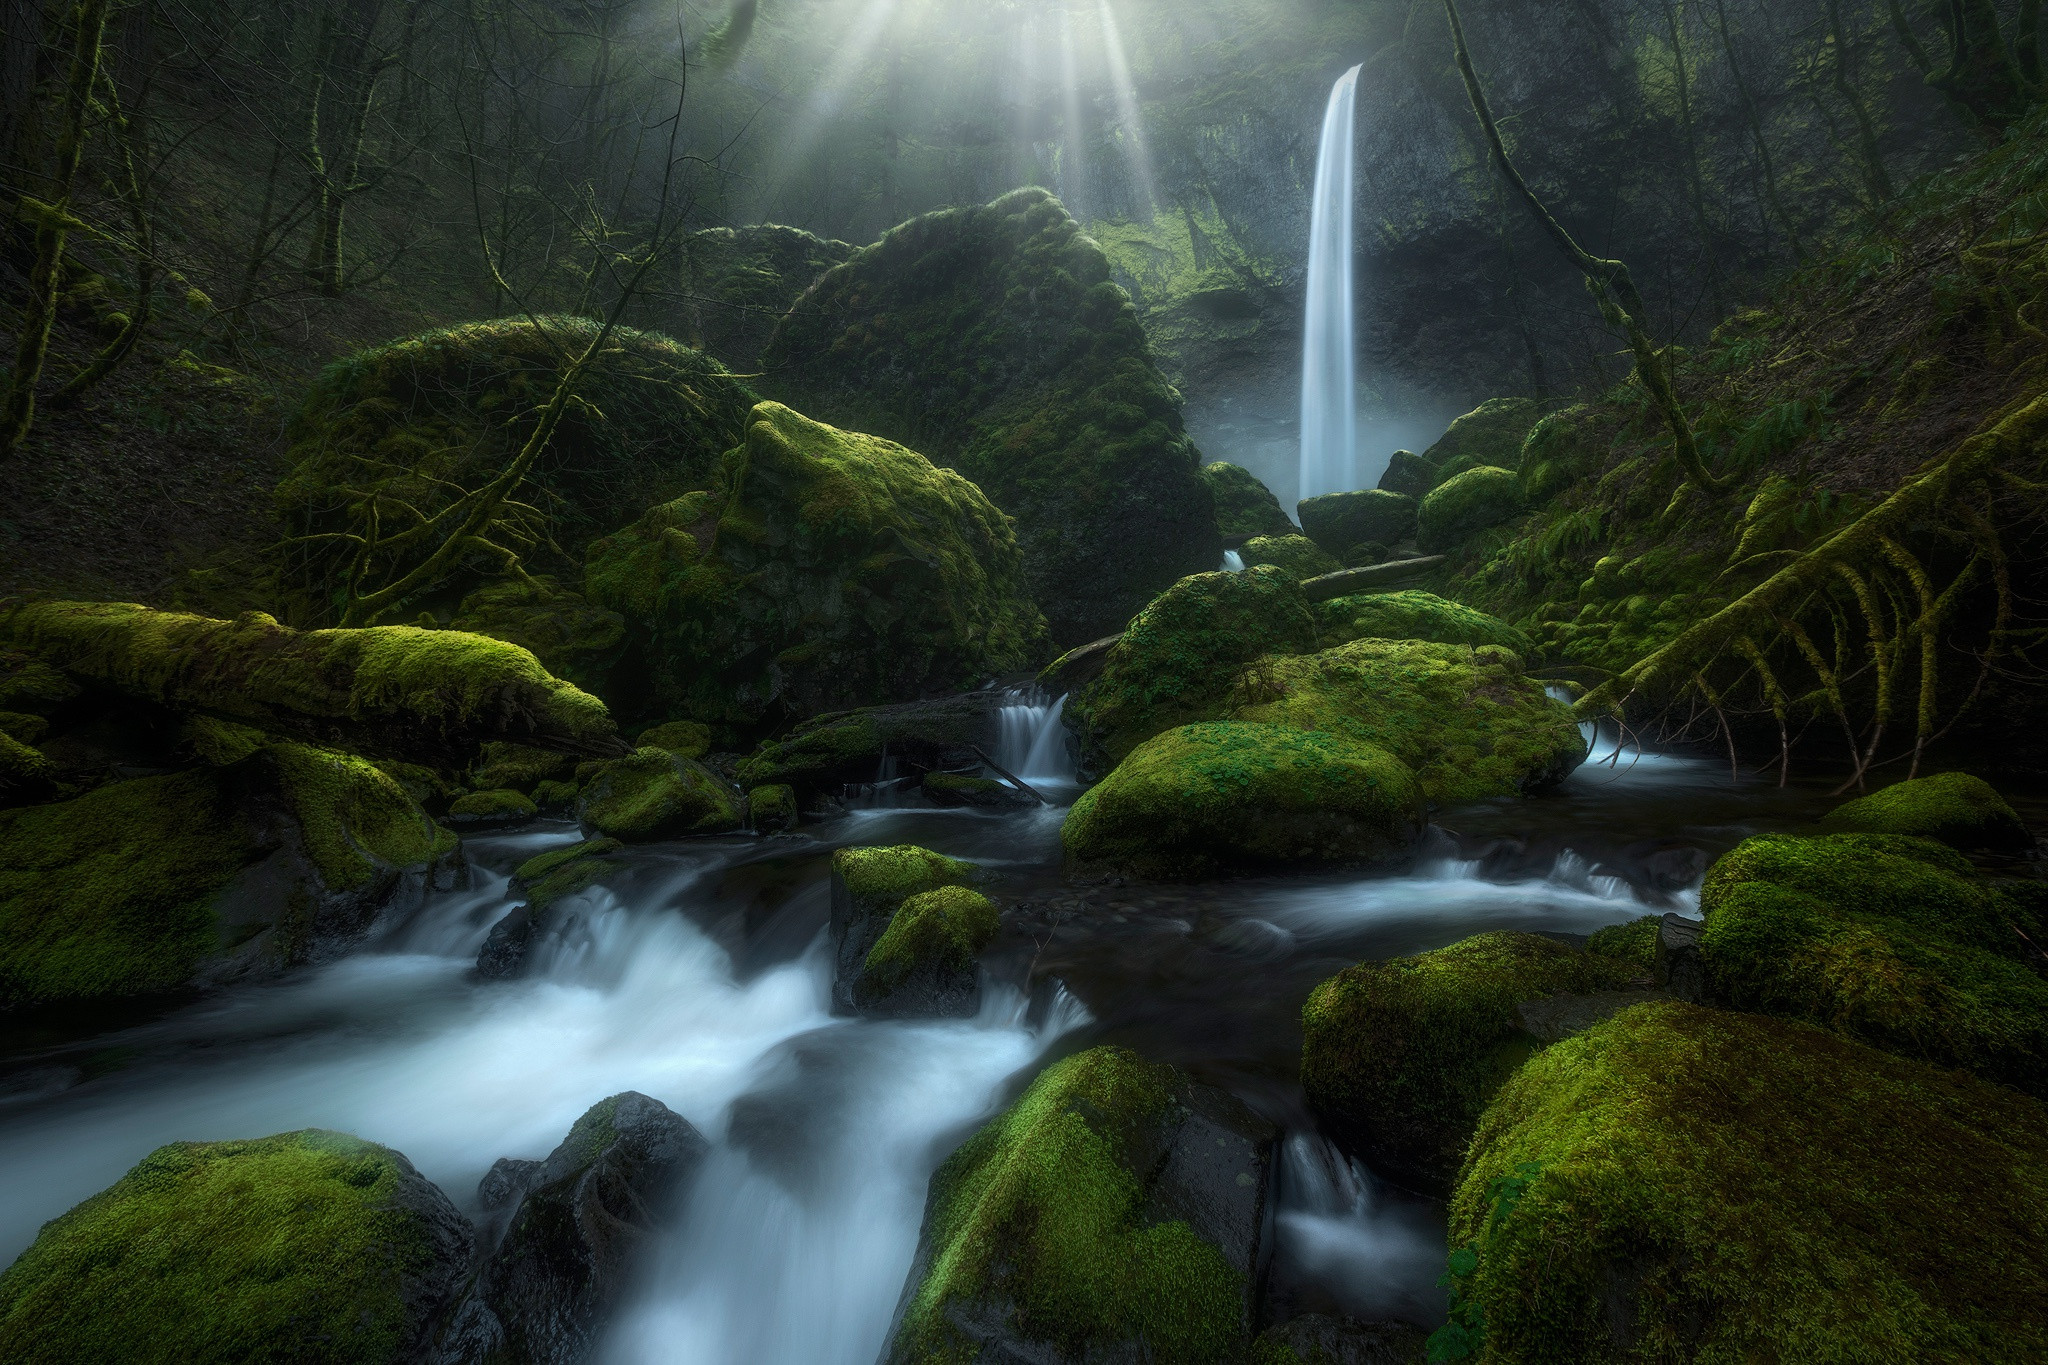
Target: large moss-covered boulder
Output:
[(869, 887), (1490, 434), (655, 794), (399, 692), (831, 751), (1684, 1183), (1400, 1058), (1184, 654), (1408, 473), (1414, 615), (1340, 522), (823, 569), (1295, 555), (423, 420), (1465, 504), (1889, 939), (1114, 1212), (160, 884), (738, 282), (1560, 450), (926, 962), (994, 339), (1244, 506), (1224, 794), (311, 1247), (1465, 718), (574, 639), (1960, 810)]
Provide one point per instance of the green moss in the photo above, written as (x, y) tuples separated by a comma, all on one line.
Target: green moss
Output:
[(394, 691), (1244, 506), (355, 820), (1887, 939), (684, 738), (826, 569), (112, 894), (1414, 615), (23, 726), (1041, 1211), (946, 928), (22, 765), (1559, 451), (28, 684), (1634, 942), (1465, 719), (1401, 1057), (1716, 1186), (1408, 473), (1465, 504), (772, 807), (656, 795), (574, 640), (498, 805), (883, 878), (1339, 521), (1956, 808), (1221, 793), (282, 1248), (1294, 555), (738, 281), (562, 872), (1180, 659), (519, 767), (1490, 434)]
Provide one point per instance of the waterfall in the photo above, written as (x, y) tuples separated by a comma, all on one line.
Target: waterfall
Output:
[(1329, 416), (1233, 562), (1032, 741)]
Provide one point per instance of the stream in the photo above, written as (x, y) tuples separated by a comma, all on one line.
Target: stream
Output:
[(701, 975)]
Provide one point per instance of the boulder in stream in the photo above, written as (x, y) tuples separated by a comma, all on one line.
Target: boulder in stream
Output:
[(573, 1228), (311, 1247), (832, 751), (1113, 1213), (655, 794), (543, 880), (905, 939)]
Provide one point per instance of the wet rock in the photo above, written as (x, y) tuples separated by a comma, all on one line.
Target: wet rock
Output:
[(983, 793), (656, 795), (543, 881), (772, 808), (489, 810), (311, 1247), (929, 961), (581, 1221), (1320, 1339), (1114, 1212), (832, 751)]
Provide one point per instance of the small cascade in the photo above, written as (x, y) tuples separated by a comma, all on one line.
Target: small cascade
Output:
[(1329, 352), (1339, 1230), (1032, 740), (1233, 562), (1610, 753)]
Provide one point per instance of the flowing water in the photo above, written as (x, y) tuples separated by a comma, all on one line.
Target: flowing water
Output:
[(1329, 361), (700, 975)]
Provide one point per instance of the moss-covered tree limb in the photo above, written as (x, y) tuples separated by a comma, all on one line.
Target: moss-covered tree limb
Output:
[(1613, 287), (391, 691), (40, 311), (131, 158)]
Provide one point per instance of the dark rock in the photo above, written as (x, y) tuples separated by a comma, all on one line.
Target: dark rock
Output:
[(504, 951), (738, 282), (1408, 473), (1680, 969), (984, 793), (1320, 1339), (832, 751), (932, 951), (1245, 507)]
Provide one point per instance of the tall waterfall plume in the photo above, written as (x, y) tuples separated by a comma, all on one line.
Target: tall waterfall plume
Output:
[(1329, 416)]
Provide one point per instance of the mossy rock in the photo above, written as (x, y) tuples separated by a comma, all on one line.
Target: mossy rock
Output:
[(309, 1246), (868, 885), (25, 771), (1414, 615), (556, 797), (1400, 1058), (1559, 451), (1464, 718), (1244, 506), (772, 808), (994, 338), (1338, 521), (1465, 504), (1634, 942), (656, 795), (925, 963), (1112, 1213), (1887, 939), (1225, 794), (1184, 654), (491, 810), (1731, 1187), (1490, 434), (520, 767), (562, 872), (738, 282), (828, 752), (824, 569), (575, 640), (1294, 555), (398, 692), (1408, 473), (421, 419), (683, 738), (965, 789), (1960, 810)]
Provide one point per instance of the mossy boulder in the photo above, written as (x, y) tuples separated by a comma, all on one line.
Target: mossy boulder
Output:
[(1225, 794), (738, 282), (926, 963), (574, 639), (1685, 1182), (1464, 718), (308, 1246), (1245, 507), (1559, 451), (25, 771), (1414, 615), (1960, 810), (423, 419), (1180, 659), (1114, 1212), (684, 738), (965, 789), (1400, 1058), (654, 794), (772, 808), (995, 339), (828, 752), (1888, 939), (1490, 434), (1370, 516), (399, 692), (520, 767), (1295, 555), (1466, 504), (1633, 942), (1408, 473), (868, 886), (161, 884), (823, 569), (541, 882), (497, 809)]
